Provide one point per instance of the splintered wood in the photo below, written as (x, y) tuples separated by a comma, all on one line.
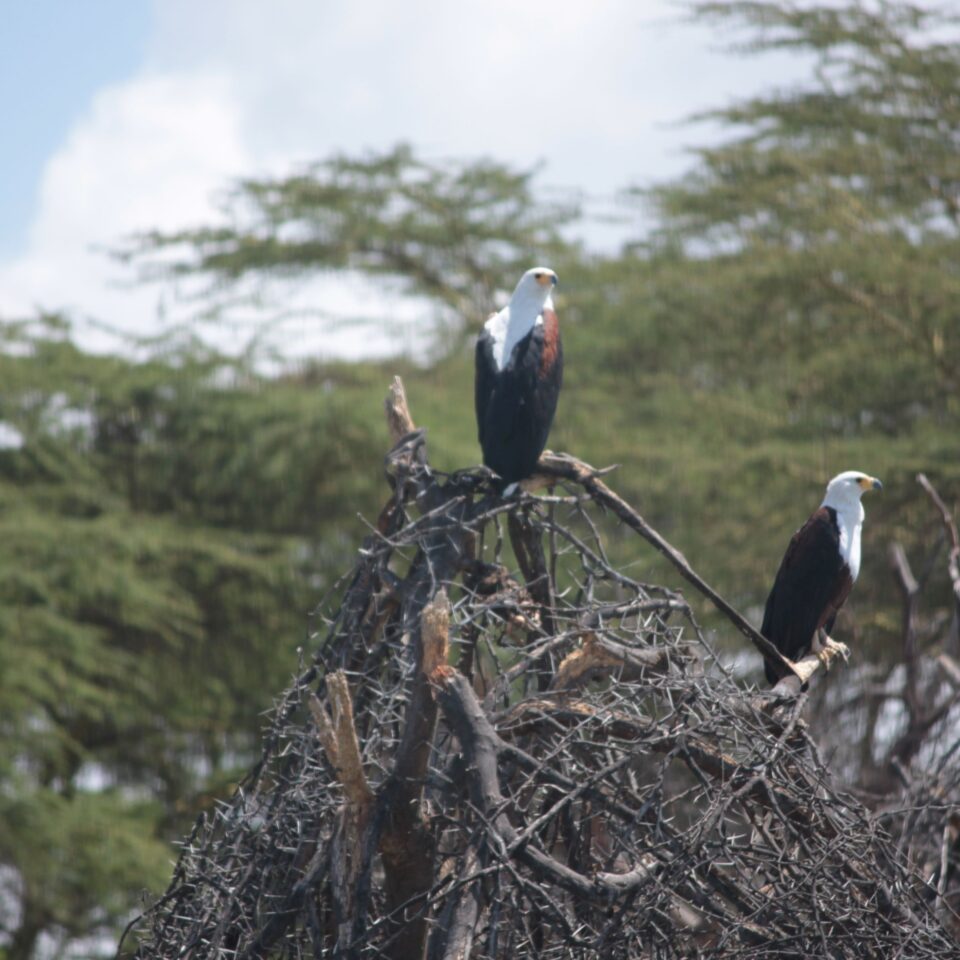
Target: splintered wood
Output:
[(399, 421), (434, 632), (339, 737)]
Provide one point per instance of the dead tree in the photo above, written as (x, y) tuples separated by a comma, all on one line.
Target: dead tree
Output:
[(506, 747)]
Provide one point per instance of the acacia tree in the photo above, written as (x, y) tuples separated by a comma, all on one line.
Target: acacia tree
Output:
[(155, 546), (834, 207), (453, 232)]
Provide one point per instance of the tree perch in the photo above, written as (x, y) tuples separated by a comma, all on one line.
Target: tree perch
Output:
[(629, 802)]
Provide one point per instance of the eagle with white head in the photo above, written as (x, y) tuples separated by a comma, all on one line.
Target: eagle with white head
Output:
[(519, 370), (817, 573)]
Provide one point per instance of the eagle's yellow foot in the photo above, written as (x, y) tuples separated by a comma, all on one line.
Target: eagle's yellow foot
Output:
[(830, 648), (838, 648)]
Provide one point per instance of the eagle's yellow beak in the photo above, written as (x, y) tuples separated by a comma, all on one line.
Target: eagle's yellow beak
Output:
[(870, 483)]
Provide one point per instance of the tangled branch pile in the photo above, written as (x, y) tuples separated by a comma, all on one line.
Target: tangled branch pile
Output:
[(545, 761)]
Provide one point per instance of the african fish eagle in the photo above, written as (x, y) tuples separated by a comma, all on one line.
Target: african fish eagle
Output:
[(817, 572), (519, 368)]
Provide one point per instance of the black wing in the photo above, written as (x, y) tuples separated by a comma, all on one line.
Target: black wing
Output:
[(516, 405), (485, 373), (810, 587), (549, 375)]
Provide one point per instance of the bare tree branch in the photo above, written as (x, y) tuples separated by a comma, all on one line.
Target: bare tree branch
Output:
[(953, 560), (569, 468)]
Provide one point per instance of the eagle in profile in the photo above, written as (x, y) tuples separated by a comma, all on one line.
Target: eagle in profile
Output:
[(519, 369), (817, 572)]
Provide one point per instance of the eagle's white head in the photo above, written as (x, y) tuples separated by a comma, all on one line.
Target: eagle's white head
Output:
[(534, 290), (843, 495), (530, 298), (845, 490)]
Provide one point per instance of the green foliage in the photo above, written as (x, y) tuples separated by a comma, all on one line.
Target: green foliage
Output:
[(166, 526), (81, 859), (829, 224)]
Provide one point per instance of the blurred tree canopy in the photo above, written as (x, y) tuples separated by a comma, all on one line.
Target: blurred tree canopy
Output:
[(169, 523), (835, 210), (167, 526), (452, 232)]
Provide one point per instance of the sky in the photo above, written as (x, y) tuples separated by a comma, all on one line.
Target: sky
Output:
[(131, 115)]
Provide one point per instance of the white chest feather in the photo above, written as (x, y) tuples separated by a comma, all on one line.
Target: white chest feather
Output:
[(850, 523), (507, 328)]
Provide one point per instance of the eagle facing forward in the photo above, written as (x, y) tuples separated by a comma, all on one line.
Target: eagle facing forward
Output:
[(519, 369)]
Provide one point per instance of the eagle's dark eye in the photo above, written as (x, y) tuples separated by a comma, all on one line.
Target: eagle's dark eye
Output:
[(537, 276)]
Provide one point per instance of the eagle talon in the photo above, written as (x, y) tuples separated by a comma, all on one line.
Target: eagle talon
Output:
[(836, 648), (830, 648)]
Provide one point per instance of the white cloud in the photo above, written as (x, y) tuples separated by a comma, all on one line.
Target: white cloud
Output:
[(149, 153), (593, 87), (575, 84), (158, 144), (233, 87)]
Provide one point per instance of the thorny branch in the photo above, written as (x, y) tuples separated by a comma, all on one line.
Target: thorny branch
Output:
[(926, 704), (591, 784), (565, 467), (953, 559)]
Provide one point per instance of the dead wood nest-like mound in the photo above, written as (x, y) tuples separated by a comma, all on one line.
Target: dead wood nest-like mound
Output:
[(505, 747)]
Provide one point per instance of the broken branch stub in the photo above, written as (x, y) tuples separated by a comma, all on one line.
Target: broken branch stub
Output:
[(339, 738), (434, 632), (399, 420)]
